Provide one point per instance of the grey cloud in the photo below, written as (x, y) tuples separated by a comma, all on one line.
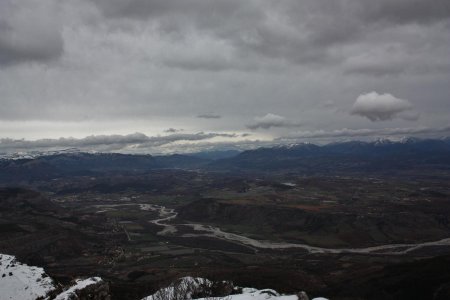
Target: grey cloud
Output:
[(356, 133), (172, 130), (150, 65), (382, 107), (409, 115), (211, 64), (397, 68), (406, 11), (376, 69), (28, 32), (244, 25), (272, 120), (197, 64), (299, 31), (380, 10), (145, 9), (8, 144), (405, 57), (221, 146), (329, 104), (209, 116)]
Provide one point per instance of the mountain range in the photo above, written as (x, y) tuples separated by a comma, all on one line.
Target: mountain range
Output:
[(336, 158)]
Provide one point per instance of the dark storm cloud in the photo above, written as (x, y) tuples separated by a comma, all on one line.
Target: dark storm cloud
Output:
[(205, 12), (26, 34), (406, 11), (299, 31), (110, 142), (249, 26)]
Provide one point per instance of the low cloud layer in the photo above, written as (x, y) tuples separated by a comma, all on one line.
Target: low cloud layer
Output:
[(107, 142), (382, 107), (201, 141), (272, 120), (346, 133)]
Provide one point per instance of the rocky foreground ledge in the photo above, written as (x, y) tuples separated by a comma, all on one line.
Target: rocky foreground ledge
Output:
[(19, 281), (203, 289)]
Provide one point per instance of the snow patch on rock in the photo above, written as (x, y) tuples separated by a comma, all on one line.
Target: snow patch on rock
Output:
[(185, 287), (182, 288), (79, 285), (254, 294)]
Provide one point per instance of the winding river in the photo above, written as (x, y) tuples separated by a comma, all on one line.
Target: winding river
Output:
[(169, 214)]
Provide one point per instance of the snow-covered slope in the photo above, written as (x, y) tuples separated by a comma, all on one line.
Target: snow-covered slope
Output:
[(22, 282)]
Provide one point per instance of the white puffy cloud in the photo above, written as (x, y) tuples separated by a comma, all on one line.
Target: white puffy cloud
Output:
[(381, 107), (272, 120)]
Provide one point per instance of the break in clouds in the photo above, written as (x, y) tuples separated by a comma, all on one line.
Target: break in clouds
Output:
[(259, 70)]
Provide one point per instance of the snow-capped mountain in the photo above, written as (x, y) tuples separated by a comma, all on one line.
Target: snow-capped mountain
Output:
[(36, 154)]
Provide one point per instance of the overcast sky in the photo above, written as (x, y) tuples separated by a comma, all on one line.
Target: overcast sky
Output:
[(159, 75)]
